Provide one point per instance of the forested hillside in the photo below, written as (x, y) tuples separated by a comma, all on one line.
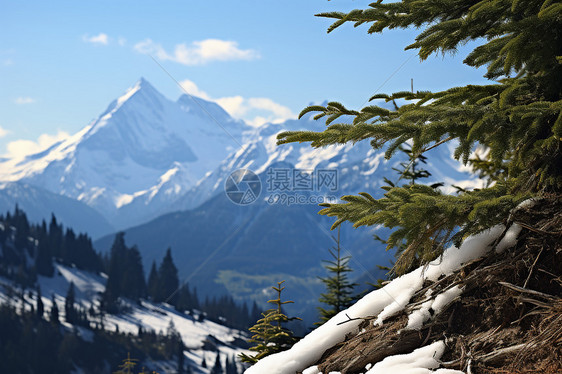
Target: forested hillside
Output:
[(83, 310)]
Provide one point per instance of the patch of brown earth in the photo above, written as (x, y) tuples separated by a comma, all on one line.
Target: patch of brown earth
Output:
[(508, 319)]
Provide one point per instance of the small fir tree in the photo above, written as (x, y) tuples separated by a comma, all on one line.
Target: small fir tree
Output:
[(231, 367), (44, 261), (339, 290), (54, 316), (40, 306), (127, 366), (270, 335), (70, 313), (152, 284), (168, 280), (411, 170), (217, 367), (181, 356)]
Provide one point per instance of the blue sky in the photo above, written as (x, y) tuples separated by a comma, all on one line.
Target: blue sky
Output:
[(63, 62)]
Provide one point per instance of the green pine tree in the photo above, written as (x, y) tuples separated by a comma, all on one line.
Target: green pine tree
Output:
[(54, 316), (117, 260), (270, 334), (44, 260), (517, 118), (339, 290), (217, 367), (40, 306), (152, 284), (231, 365), (70, 312), (127, 366), (168, 281), (411, 170)]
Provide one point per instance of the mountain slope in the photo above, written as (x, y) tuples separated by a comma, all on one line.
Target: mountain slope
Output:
[(203, 339), (358, 166), (40, 204), (221, 246)]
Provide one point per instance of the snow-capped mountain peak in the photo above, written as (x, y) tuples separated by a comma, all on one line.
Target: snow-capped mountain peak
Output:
[(142, 148)]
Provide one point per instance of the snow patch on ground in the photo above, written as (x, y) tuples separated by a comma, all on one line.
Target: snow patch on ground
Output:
[(384, 303), (420, 361)]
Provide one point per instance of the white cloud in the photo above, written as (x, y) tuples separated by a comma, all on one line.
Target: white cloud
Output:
[(24, 100), (23, 147), (101, 38), (234, 105), (3, 132), (191, 88), (276, 109), (255, 110), (199, 52), (121, 41)]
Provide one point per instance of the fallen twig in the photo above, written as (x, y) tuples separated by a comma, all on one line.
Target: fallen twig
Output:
[(526, 290)]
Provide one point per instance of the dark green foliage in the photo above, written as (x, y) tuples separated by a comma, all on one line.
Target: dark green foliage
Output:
[(29, 344), (269, 333), (117, 260), (226, 311), (20, 240), (339, 290), (54, 316), (168, 282), (127, 366), (133, 278), (187, 299), (125, 275), (36, 337), (181, 357), (21, 237), (230, 366), (517, 118), (32, 345), (217, 367), (70, 312), (55, 237), (152, 284), (44, 261), (411, 170), (40, 308)]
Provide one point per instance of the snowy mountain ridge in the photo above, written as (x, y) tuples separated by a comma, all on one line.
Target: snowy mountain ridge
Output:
[(146, 156), (143, 149)]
